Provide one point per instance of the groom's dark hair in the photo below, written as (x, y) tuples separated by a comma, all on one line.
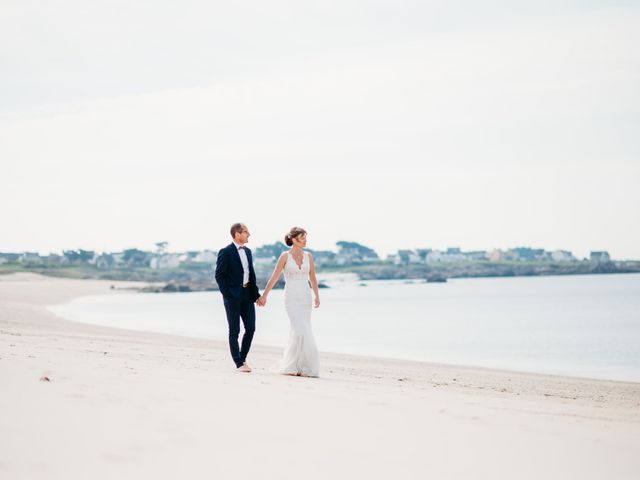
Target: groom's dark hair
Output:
[(236, 228)]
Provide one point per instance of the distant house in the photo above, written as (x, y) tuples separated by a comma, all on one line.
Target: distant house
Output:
[(118, 258), (346, 259), (454, 254), (30, 257), (423, 252), (562, 256), (399, 259), (476, 255), (54, 259), (504, 256), (206, 256), (405, 257), (450, 255), (10, 257), (495, 255), (133, 257), (188, 257), (528, 254), (510, 255), (434, 256), (545, 256), (415, 257), (104, 261), (599, 257), (168, 260)]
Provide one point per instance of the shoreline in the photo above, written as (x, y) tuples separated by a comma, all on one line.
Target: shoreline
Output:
[(132, 403), (361, 356), (539, 365)]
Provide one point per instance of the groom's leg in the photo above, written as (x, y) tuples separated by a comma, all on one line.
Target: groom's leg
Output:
[(248, 314), (232, 307)]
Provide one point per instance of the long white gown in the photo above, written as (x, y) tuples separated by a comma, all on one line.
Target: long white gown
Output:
[(301, 354)]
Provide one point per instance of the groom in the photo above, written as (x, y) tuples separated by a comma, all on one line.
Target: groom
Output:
[(237, 283)]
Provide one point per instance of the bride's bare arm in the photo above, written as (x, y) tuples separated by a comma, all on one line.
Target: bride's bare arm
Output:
[(274, 278), (314, 281)]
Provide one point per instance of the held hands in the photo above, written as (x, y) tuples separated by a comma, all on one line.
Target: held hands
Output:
[(262, 301)]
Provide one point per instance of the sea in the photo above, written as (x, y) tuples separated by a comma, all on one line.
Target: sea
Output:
[(575, 325)]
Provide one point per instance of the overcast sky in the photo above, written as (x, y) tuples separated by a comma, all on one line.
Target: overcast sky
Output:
[(395, 124)]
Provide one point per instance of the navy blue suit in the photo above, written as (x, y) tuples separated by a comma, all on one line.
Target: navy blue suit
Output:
[(238, 299)]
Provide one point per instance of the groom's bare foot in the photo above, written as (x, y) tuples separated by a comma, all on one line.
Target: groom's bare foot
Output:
[(245, 364), (244, 368)]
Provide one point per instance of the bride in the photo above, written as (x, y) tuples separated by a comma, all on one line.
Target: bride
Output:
[(301, 354)]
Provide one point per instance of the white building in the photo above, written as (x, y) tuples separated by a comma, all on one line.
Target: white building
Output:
[(434, 256), (118, 258), (478, 255), (451, 255), (29, 257), (169, 260), (404, 257), (206, 256), (598, 257), (562, 256)]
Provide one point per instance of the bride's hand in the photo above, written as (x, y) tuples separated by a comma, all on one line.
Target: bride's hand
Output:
[(317, 302), (262, 301)]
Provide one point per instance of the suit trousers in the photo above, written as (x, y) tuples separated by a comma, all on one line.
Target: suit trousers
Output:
[(240, 308)]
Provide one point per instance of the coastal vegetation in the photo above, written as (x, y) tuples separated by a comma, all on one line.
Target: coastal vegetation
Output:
[(194, 270)]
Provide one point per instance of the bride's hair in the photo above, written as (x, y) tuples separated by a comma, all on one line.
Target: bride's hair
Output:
[(293, 233)]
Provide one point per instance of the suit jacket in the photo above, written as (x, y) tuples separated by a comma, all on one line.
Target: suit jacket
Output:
[(229, 273)]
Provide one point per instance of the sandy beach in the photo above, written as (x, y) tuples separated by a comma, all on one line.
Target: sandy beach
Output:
[(124, 404)]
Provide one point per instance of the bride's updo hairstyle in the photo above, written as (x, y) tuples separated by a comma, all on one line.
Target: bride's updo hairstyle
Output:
[(295, 232)]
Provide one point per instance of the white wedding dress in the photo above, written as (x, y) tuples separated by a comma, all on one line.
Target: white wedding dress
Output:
[(301, 354)]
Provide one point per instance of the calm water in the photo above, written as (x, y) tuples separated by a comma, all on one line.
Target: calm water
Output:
[(587, 325)]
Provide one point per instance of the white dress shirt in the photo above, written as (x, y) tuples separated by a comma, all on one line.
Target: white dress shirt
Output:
[(245, 263)]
